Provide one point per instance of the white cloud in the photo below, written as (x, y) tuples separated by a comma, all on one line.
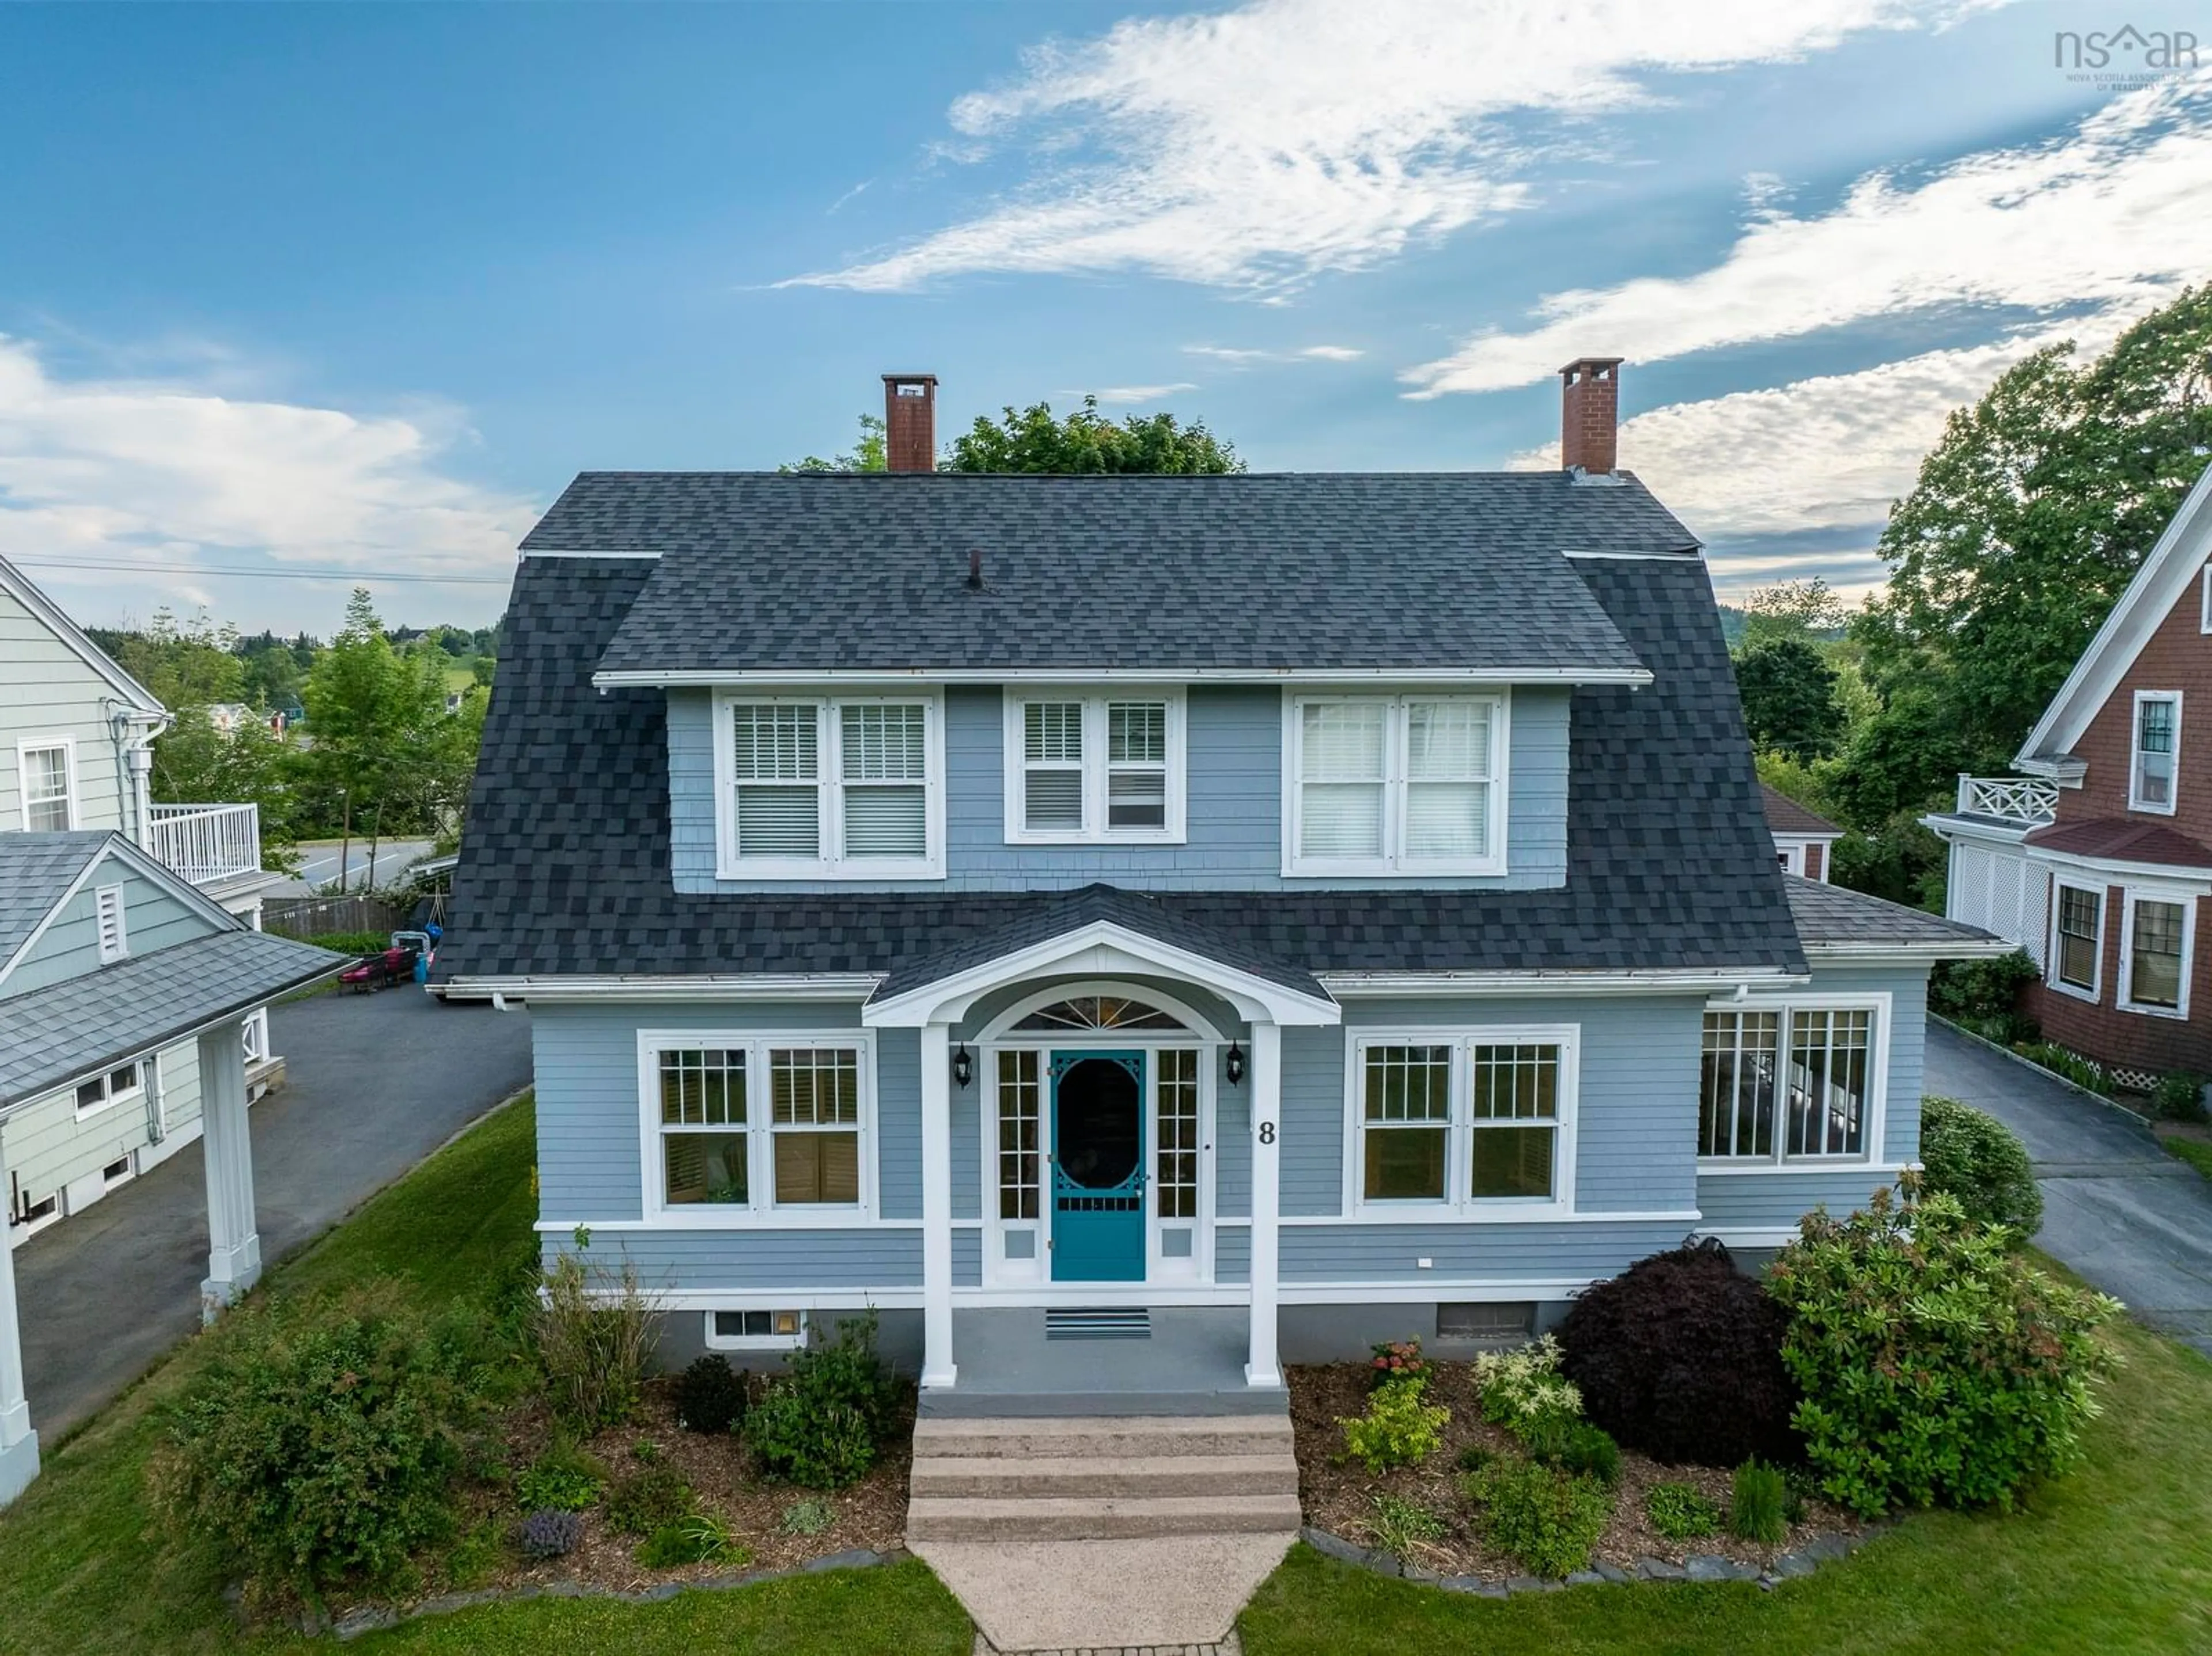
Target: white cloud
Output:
[(2109, 217), (145, 471), (1243, 356), (1332, 352), (1288, 137), (1114, 395)]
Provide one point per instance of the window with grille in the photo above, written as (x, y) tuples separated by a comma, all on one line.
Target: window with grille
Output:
[(1093, 768), (1741, 1066), (2080, 938), (1407, 1110), (107, 914), (1020, 1103), (1176, 1186), (1397, 783), (759, 1125), (1469, 1122), (48, 807), (124, 1081), (703, 1147), (815, 1099), (1786, 1084), (1826, 1069), (1516, 1121), (2157, 956), (729, 1330), (838, 788), (2157, 740)]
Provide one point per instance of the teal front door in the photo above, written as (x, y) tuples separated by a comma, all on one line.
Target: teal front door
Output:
[(1098, 1166)]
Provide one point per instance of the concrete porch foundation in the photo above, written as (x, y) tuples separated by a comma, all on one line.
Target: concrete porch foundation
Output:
[(1192, 1363)]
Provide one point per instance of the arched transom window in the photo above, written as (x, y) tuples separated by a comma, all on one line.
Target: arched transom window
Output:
[(1099, 1012)]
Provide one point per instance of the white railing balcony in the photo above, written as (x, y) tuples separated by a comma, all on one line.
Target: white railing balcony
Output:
[(2009, 798), (207, 843)]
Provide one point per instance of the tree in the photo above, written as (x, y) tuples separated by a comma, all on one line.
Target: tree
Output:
[(185, 664), (1086, 442), (1789, 698), (867, 455), (2027, 522), (354, 697), (195, 763), (1800, 610)]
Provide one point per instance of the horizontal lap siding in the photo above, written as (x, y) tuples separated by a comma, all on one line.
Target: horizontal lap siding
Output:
[(898, 1124), (1731, 1201), (1313, 1121), (153, 919), (1232, 1146), (1233, 1253), (47, 691), (693, 1260), (46, 1147), (968, 1258), (1469, 1250)]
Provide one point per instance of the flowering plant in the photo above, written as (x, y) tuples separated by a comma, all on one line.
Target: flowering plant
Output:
[(1395, 1357)]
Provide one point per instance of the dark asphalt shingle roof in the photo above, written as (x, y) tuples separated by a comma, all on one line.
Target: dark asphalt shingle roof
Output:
[(1785, 816), (35, 870), (565, 860), (2125, 840), (857, 573), (1828, 914), (67, 1030)]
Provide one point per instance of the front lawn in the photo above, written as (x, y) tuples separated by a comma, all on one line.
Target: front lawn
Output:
[(2111, 1559)]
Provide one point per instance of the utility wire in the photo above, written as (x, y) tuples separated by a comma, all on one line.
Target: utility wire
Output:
[(262, 574)]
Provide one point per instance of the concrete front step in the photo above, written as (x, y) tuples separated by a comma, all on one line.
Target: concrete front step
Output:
[(1120, 1437), (1066, 1518), (1033, 1476)]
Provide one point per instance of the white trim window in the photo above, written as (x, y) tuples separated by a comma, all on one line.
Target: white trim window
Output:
[(2154, 751), (2077, 939), (109, 919), (817, 787), (1464, 1122), (118, 1085), (2157, 941), (748, 1125), (1395, 785), (1095, 767), (2204, 600), (47, 776), (755, 1331), (1792, 1083)]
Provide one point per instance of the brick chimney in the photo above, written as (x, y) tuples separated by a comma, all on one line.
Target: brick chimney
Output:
[(910, 422), (1589, 414)]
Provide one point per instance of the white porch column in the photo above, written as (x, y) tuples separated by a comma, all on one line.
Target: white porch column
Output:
[(233, 1245), (19, 1444), (1261, 1367), (937, 1370)]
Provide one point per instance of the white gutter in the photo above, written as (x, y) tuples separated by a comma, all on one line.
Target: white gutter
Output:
[(759, 985), (701, 678), (1651, 980), (1875, 954)]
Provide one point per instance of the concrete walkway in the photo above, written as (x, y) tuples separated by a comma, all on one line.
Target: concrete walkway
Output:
[(2132, 1219), (374, 1084)]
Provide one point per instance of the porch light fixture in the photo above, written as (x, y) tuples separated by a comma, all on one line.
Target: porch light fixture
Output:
[(963, 1066), (1234, 1067)]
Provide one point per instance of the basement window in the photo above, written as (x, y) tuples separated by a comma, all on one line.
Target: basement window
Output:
[(754, 1331), (117, 1170), (1509, 1322)]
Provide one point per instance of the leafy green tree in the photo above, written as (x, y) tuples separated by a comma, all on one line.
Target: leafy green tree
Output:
[(1086, 442), (1797, 610), (195, 763), (184, 663), (1789, 698), (867, 454), (353, 699)]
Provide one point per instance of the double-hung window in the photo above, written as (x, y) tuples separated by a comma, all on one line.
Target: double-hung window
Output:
[(1467, 1122), (848, 788), (2077, 944), (755, 1125), (1790, 1084), (1093, 768), (2155, 751), (46, 774), (1396, 785), (2156, 952)]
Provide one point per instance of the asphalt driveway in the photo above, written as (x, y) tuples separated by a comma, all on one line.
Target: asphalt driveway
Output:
[(2116, 1207), (374, 1084)]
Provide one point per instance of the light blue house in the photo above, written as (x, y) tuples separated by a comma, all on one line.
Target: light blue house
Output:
[(1280, 912)]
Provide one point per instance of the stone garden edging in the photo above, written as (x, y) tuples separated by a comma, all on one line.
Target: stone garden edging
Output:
[(1700, 1567), (372, 1618)]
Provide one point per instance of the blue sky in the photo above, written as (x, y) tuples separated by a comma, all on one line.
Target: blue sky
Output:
[(303, 290)]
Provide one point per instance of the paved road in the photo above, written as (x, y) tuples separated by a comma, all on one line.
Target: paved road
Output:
[(321, 860), (2130, 1218), (375, 1084)]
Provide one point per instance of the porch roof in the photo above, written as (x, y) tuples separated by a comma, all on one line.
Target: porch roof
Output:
[(1834, 919), (36, 871), (2124, 840)]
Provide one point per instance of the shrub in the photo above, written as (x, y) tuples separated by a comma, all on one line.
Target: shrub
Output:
[(552, 1534), (1935, 1365), (820, 1423), (1979, 1160), (1575, 1445), (1394, 1357), (711, 1397), (2180, 1097), (1518, 1388), (1759, 1505), (808, 1517), (320, 1442), (702, 1539), (1399, 1526), (1473, 1458), (1678, 1512), (594, 1335), (1980, 992), (1549, 1520), (650, 1501), (1398, 1430), (1681, 1356), (564, 1478)]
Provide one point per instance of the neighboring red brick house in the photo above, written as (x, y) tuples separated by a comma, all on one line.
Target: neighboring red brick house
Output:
[(2098, 860), (1802, 840)]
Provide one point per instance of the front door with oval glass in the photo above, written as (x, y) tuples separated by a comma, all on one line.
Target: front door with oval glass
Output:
[(1098, 1166)]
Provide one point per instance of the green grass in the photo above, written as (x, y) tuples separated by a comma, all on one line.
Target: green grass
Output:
[(2194, 1151), (84, 1567), (2111, 1559)]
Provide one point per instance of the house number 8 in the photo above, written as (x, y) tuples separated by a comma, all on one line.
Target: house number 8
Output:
[(1267, 1132)]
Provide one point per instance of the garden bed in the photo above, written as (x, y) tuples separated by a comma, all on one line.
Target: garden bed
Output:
[(1337, 1494)]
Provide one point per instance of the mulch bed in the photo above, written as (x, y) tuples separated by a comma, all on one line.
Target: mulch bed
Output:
[(1337, 1494)]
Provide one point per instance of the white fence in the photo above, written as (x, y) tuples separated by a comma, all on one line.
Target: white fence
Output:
[(206, 843), (2011, 799)]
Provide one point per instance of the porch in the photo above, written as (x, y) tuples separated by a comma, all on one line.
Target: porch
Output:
[(1039, 1362), (209, 844)]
